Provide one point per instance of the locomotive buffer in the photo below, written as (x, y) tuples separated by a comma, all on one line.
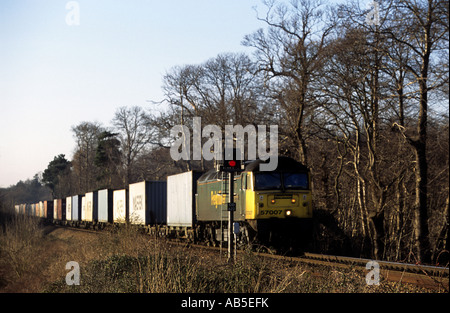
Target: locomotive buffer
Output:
[(231, 166)]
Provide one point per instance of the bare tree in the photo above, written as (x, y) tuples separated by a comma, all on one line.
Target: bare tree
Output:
[(222, 91), (292, 51), (86, 135), (419, 29), (135, 134)]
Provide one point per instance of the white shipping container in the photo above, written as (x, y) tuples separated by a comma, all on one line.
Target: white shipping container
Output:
[(137, 203), (55, 209), (41, 209), (181, 198), (120, 205), (83, 208), (69, 208), (148, 202), (91, 213)]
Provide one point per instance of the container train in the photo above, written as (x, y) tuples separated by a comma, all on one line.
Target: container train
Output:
[(272, 208)]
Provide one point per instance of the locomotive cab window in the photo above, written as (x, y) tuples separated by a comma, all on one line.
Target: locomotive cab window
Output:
[(295, 180), (266, 181), (278, 181)]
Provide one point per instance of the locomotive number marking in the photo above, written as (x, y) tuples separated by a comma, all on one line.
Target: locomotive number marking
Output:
[(270, 212)]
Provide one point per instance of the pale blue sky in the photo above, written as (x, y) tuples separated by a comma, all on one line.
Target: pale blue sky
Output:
[(53, 76)]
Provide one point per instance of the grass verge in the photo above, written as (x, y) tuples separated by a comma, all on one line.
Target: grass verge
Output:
[(123, 260)]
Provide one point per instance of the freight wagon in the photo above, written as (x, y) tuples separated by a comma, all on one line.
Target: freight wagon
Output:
[(105, 206), (120, 206), (147, 200), (68, 208), (76, 208), (181, 216)]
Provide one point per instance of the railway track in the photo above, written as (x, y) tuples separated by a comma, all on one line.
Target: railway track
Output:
[(426, 276), (430, 277)]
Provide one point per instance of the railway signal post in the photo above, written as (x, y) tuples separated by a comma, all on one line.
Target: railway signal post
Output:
[(231, 209), (231, 167)]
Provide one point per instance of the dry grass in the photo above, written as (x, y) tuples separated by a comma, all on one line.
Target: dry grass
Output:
[(33, 259), (20, 250)]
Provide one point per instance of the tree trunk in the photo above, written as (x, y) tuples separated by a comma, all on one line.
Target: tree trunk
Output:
[(422, 242)]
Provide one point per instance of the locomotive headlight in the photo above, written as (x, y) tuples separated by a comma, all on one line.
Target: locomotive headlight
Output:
[(272, 201), (288, 212)]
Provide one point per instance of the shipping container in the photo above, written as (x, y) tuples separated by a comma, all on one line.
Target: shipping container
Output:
[(55, 209), (120, 206), (48, 208), (83, 208), (76, 208), (181, 190), (148, 202), (41, 209), (17, 208), (105, 205), (91, 211), (59, 209), (68, 208)]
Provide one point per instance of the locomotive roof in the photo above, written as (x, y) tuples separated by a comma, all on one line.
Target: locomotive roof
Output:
[(285, 164)]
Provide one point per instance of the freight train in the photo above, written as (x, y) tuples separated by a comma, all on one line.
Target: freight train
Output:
[(271, 208)]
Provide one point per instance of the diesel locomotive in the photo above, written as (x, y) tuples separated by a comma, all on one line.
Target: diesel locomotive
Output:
[(272, 208)]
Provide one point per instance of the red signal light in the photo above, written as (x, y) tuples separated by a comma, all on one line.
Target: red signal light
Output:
[(232, 163)]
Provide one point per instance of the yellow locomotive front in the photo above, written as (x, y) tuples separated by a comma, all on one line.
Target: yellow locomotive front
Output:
[(278, 204), (277, 195)]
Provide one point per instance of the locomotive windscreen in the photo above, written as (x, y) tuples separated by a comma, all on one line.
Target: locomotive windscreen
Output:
[(295, 180), (269, 180), (276, 180)]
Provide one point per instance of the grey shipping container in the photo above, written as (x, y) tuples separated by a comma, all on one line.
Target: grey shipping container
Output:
[(148, 202), (105, 205), (181, 190), (76, 208)]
